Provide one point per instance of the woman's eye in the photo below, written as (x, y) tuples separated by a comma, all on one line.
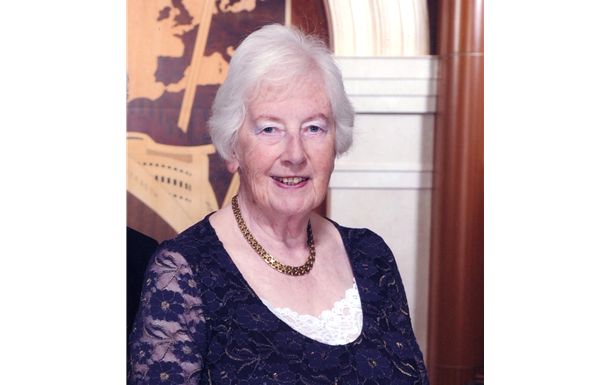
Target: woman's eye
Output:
[(314, 128), (268, 130)]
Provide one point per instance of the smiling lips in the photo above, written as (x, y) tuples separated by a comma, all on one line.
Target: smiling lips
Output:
[(290, 181)]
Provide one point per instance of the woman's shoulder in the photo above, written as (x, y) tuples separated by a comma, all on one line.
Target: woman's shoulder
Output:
[(356, 235), (192, 243), (364, 246)]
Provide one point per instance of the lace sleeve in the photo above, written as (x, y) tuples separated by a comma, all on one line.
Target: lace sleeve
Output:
[(166, 340)]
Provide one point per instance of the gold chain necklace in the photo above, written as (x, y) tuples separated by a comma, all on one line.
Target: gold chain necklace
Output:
[(274, 263)]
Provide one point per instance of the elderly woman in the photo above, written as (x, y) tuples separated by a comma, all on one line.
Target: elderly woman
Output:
[(266, 291)]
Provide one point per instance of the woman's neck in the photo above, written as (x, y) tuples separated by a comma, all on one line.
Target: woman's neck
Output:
[(274, 229)]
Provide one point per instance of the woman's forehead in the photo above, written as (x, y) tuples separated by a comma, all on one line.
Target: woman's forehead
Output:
[(296, 100), (301, 86)]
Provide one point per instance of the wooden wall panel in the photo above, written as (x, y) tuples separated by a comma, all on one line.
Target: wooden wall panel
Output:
[(162, 54), (310, 17), (455, 339)]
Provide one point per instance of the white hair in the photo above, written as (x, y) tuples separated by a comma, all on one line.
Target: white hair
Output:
[(276, 53)]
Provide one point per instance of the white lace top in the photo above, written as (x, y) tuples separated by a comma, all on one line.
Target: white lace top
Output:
[(338, 326)]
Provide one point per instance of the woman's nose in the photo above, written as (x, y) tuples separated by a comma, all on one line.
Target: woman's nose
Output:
[(294, 152)]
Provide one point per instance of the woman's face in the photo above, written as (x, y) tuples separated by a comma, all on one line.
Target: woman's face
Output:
[(285, 149)]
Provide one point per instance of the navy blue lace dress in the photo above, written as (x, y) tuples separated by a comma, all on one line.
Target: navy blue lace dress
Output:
[(199, 322)]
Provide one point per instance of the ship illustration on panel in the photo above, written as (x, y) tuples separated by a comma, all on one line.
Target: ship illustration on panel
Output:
[(178, 53), (173, 180)]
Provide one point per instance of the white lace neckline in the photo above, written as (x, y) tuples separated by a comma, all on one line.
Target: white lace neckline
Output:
[(338, 326)]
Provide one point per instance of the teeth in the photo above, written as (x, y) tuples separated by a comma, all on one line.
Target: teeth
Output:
[(290, 181)]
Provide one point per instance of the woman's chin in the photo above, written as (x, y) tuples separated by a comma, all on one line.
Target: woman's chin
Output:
[(294, 207)]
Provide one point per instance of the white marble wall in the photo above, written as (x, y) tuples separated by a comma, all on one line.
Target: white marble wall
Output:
[(384, 182), (379, 27)]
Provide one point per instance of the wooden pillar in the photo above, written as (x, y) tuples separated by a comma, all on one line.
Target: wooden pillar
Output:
[(455, 329)]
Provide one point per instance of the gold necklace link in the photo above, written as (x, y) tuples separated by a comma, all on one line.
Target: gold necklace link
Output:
[(274, 263)]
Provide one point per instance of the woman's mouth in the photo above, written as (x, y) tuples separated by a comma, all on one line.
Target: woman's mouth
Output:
[(291, 180)]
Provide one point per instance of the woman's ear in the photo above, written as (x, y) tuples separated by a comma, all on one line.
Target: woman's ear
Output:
[(232, 164)]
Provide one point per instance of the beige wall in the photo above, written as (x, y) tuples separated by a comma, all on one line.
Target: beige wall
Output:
[(384, 182)]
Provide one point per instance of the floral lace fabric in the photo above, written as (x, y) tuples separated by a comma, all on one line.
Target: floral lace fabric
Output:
[(199, 322), (338, 326), (168, 325)]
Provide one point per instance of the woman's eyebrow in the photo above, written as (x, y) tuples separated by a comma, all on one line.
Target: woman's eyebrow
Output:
[(268, 117), (273, 118), (317, 116)]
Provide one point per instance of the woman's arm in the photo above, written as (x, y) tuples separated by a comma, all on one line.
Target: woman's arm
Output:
[(165, 343)]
